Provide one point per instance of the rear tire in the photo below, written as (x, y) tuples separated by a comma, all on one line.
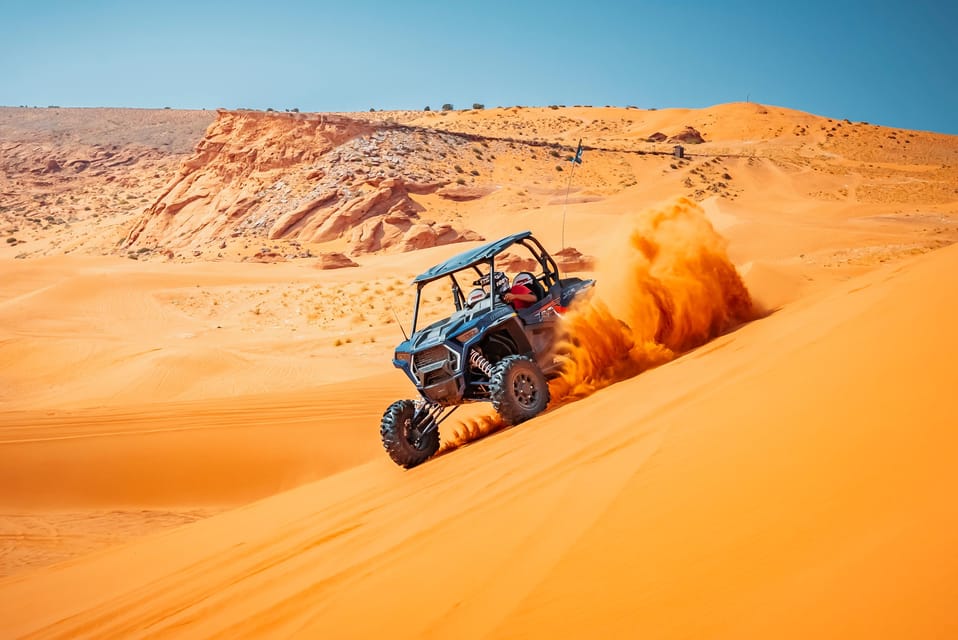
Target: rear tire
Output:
[(519, 389), (401, 430)]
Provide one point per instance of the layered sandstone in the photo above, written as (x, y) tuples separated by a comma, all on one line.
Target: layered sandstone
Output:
[(296, 177)]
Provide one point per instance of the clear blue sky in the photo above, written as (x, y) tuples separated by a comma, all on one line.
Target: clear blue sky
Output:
[(890, 63)]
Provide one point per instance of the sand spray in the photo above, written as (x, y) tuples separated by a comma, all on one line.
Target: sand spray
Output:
[(666, 285)]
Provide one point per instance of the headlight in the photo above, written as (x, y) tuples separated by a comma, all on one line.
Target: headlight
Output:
[(466, 336), (402, 356)]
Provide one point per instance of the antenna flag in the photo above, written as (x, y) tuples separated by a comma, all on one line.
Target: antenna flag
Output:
[(578, 154)]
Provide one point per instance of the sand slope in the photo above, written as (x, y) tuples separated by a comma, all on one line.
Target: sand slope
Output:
[(792, 479)]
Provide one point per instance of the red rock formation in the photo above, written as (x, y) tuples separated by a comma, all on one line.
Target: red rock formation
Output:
[(334, 261), (295, 177), (512, 262), (267, 256), (571, 259), (689, 136)]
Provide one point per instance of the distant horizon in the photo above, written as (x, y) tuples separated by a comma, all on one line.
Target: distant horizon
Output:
[(468, 108), (879, 62)]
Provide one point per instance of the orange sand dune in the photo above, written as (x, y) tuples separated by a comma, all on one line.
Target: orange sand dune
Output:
[(791, 478), (73, 481), (794, 478), (212, 452)]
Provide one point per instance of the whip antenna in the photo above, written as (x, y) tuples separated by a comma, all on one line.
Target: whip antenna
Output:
[(575, 161), (396, 315)]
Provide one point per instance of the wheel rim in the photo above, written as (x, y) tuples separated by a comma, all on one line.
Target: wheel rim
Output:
[(524, 389), (412, 431)]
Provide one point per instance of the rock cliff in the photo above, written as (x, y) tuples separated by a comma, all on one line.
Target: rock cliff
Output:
[(301, 178)]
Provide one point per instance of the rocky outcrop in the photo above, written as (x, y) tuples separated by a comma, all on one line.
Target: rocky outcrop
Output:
[(513, 263), (571, 259), (294, 177), (568, 259), (658, 136), (267, 257), (404, 232), (332, 260), (463, 193), (688, 136), (431, 234)]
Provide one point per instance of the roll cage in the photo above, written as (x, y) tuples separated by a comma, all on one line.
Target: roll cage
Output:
[(474, 259)]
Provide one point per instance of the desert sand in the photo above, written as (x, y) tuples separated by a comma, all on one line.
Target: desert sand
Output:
[(190, 396)]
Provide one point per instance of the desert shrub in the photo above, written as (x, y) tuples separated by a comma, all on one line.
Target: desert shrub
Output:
[(559, 167), (460, 181), (457, 168), (474, 172), (426, 108), (447, 107), (477, 106)]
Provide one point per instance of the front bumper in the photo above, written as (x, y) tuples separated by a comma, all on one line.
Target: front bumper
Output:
[(437, 373)]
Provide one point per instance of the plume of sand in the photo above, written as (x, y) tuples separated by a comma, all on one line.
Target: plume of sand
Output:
[(667, 286)]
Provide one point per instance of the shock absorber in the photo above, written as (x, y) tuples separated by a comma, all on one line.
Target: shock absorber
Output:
[(479, 361)]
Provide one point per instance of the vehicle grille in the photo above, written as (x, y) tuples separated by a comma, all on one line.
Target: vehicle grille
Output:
[(435, 377), (430, 356)]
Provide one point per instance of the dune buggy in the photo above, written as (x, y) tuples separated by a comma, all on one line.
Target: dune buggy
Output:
[(485, 351)]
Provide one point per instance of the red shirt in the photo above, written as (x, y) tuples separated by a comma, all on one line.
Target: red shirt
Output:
[(524, 290)]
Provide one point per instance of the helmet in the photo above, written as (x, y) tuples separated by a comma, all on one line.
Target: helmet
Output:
[(501, 282), (474, 297), (524, 279)]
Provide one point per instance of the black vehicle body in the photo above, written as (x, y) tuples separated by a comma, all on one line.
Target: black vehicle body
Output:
[(470, 355)]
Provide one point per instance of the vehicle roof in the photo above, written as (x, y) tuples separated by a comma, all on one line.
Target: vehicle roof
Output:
[(471, 257)]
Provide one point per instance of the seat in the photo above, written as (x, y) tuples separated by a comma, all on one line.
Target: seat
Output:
[(529, 281), (475, 296)]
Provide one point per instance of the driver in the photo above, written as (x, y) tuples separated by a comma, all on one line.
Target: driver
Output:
[(520, 296)]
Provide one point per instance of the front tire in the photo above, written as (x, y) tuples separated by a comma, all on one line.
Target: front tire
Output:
[(519, 389), (405, 435)]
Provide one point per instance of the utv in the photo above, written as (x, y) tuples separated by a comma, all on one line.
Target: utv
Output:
[(485, 351)]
